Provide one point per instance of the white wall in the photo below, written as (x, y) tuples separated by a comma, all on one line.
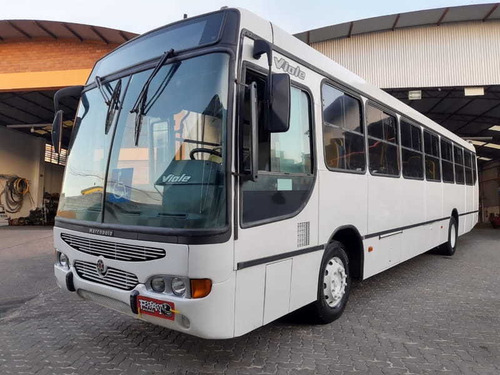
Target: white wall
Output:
[(455, 54), (22, 155)]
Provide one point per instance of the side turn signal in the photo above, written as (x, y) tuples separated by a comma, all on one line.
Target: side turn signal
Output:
[(200, 288)]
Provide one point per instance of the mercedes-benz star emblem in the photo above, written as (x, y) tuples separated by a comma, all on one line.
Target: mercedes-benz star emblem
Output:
[(101, 267)]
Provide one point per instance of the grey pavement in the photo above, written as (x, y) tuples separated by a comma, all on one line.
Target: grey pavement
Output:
[(429, 315), (26, 260)]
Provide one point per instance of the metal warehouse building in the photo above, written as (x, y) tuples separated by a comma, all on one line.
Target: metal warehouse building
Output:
[(442, 62), (38, 58)]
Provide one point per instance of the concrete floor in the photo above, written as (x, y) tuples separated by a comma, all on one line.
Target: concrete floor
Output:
[(26, 259), (432, 314)]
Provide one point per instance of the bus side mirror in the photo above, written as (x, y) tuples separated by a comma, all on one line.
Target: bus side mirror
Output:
[(57, 131), (277, 91), (279, 116), (75, 91)]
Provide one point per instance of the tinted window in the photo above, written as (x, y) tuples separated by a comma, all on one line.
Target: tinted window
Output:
[(340, 109), (382, 142), (459, 164), (474, 169), (432, 165), (467, 159), (447, 161), (411, 150), (431, 144), (342, 131), (411, 136), (468, 167), (381, 125)]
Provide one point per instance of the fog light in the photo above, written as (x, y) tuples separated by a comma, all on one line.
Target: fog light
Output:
[(178, 286), (63, 260), (185, 321), (158, 284)]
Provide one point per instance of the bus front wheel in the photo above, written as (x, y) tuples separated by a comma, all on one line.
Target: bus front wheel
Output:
[(334, 284), (449, 247)]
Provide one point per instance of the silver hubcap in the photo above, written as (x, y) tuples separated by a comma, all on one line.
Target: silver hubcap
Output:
[(453, 235), (334, 281)]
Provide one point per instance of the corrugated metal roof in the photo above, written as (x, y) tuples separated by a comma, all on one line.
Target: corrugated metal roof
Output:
[(480, 12), (11, 30)]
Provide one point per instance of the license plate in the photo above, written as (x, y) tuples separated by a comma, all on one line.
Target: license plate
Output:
[(156, 307)]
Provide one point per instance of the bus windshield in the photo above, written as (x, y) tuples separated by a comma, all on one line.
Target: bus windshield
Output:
[(165, 169)]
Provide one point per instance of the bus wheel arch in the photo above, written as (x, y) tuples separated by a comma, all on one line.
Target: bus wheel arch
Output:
[(350, 238)]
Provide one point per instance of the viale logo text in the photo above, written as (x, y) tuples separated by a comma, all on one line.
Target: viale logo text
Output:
[(286, 67), (173, 178)]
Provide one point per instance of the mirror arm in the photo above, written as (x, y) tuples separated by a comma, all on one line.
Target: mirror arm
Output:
[(67, 91), (264, 47), (255, 132)]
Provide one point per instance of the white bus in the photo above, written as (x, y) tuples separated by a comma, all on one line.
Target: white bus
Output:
[(223, 174)]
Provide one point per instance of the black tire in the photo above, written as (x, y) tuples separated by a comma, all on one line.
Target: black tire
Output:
[(323, 312), (449, 247)]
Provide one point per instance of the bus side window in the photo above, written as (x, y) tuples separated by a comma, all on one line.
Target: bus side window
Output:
[(447, 161), (432, 165), (411, 149), (382, 142), (342, 131), (285, 177), (474, 169), (459, 164), (468, 167)]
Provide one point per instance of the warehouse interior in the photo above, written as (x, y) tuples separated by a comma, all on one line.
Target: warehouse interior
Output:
[(38, 58)]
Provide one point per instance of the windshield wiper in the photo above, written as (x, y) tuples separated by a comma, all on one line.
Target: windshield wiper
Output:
[(112, 102), (113, 106), (140, 103), (100, 86)]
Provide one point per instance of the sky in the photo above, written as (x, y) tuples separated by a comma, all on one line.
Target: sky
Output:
[(143, 15)]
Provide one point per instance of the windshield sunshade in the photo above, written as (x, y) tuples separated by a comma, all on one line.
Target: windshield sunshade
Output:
[(188, 34)]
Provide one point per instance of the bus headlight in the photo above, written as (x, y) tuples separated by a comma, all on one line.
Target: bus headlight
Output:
[(178, 286), (63, 260), (158, 284)]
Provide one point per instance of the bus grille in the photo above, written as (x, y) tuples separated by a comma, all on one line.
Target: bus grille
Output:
[(114, 277), (112, 250)]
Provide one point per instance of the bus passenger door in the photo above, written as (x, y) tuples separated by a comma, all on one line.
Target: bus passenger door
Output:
[(277, 212)]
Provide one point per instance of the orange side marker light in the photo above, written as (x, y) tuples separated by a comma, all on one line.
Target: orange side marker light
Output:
[(200, 288), (370, 249)]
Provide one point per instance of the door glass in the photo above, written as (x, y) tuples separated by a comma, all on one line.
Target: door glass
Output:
[(285, 162)]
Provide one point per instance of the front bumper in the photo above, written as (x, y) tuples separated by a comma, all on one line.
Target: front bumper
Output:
[(209, 317)]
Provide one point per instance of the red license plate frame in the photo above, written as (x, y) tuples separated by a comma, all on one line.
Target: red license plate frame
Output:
[(156, 307)]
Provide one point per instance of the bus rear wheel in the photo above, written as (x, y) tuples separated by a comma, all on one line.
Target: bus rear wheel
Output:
[(334, 284), (449, 247)]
